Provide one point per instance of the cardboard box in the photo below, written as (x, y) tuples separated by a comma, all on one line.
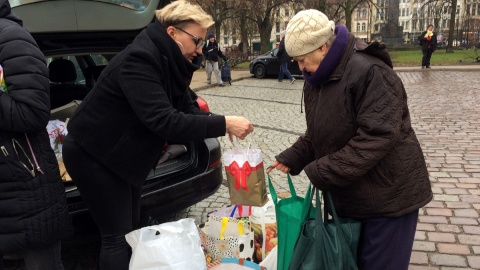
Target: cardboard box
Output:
[(65, 112)]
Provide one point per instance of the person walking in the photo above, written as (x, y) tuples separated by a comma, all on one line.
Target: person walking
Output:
[(283, 58), (428, 40), (33, 208), (212, 52), (359, 144), (144, 100)]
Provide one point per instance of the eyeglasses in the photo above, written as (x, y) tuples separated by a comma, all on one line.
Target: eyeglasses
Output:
[(198, 41)]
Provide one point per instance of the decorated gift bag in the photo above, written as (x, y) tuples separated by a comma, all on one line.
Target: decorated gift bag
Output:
[(227, 237), (237, 264), (236, 211), (245, 176), (264, 225)]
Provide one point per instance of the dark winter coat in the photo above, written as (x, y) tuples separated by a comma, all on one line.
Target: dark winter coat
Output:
[(359, 142), (428, 44), (211, 51), (141, 100), (32, 209), (282, 54)]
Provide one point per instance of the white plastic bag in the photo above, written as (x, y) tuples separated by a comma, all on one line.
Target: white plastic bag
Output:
[(270, 262), (168, 246)]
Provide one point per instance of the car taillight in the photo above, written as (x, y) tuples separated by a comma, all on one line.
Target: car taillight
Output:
[(202, 104), (213, 164)]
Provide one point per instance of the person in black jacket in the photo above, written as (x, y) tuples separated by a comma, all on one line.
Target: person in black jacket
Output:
[(359, 144), (212, 52), (283, 58), (428, 39), (33, 208), (141, 100)]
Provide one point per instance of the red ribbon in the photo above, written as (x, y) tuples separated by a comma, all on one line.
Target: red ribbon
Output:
[(241, 173)]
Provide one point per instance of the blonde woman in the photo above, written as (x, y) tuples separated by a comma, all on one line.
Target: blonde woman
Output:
[(140, 101)]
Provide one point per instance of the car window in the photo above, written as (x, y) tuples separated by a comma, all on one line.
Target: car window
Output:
[(274, 52), (80, 77), (99, 59), (131, 4)]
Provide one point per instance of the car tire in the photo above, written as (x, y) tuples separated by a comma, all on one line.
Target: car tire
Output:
[(260, 71)]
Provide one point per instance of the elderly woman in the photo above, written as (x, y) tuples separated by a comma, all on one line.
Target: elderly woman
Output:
[(141, 100), (359, 144)]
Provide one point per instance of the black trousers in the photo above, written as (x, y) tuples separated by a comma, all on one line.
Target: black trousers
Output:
[(427, 54), (386, 243), (113, 203)]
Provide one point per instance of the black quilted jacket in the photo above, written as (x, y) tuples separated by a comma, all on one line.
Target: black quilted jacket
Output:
[(32, 209), (359, 142)]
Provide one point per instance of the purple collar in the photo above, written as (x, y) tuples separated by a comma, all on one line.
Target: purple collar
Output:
[(331, 60)]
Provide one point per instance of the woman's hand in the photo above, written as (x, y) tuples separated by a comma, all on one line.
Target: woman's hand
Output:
[(238, 126), (279, 166)]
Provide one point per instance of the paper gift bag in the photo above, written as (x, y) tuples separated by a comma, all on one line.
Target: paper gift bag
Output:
[(227, 237), (245, 176)]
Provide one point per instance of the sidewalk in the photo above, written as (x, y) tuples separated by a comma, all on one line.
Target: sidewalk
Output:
[(199, 80)]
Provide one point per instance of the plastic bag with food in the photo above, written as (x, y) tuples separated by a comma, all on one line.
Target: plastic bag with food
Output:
[(264, 226)]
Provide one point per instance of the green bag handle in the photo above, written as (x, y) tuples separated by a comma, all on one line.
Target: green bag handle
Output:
[(273, 193)]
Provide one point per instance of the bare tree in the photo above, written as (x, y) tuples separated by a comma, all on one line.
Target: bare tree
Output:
[(262, 14), (220, 10), (337, 11)]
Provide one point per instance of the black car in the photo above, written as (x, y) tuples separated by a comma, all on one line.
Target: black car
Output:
[(268, 65), (89, 34)]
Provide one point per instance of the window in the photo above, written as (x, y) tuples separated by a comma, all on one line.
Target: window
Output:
[(287, 12), (358, 13), (408, 11), (358, 27), (364, 13), (225, 40), (277, 27), (403, 12), (363, 27)]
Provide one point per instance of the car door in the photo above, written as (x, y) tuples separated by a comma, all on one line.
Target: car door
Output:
[(273, 65)]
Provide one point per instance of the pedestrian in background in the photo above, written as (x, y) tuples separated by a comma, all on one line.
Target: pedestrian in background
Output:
[(144, 100), (33, 207), (359, 144), (211, 52), (428, 40), (284, 58)]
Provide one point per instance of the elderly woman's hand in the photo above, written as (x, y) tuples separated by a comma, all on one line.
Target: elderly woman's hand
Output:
[(279, 166), (238, 126)]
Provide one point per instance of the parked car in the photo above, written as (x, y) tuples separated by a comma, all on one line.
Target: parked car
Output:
[(268, 65), (89, 34)]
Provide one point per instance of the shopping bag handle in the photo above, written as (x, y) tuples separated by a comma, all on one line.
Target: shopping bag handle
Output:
[(225, 220), (273, 193)]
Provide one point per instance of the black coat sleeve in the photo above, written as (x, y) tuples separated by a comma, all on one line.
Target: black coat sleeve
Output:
[(26, 106)]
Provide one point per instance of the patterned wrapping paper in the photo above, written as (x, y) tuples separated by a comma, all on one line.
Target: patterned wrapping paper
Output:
[(3, 85)]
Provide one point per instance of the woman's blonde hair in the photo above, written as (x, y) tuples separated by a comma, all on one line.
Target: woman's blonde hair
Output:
[(180, 11)]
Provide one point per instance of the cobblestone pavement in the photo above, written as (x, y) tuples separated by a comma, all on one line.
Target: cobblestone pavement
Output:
[(445, 115)]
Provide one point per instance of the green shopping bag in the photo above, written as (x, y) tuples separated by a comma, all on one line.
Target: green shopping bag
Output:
[(326, 244), (289, 221)]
